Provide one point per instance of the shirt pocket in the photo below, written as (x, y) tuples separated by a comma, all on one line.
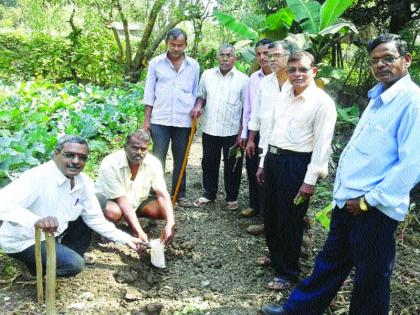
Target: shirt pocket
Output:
[(74, 212), (374, 140)]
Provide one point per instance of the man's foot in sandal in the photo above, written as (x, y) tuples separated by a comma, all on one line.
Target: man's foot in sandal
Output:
[(232, 205), (279, 284), (264, 261), (202, 201)]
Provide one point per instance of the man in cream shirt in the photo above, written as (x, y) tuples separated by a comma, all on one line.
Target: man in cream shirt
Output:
[(124, 181), (58, 198), (297, 150)]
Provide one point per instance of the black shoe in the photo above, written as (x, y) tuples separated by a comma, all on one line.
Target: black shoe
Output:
[(273, 310)]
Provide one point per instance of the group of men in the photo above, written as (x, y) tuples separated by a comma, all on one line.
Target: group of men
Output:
[(285, 124)]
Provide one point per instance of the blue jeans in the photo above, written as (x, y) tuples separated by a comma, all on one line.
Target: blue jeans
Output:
[(178, 136), (365, 242), (74, 244)]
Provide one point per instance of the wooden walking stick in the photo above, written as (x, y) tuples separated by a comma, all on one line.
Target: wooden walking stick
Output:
[(50, 272), (184, 162)]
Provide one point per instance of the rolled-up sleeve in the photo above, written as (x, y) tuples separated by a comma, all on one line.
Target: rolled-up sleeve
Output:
[(150, 86), (324, 125)]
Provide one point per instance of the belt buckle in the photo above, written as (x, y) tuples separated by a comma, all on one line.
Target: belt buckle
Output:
[(273, 149)]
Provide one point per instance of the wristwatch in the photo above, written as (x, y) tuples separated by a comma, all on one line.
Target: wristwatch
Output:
[(363, 205)]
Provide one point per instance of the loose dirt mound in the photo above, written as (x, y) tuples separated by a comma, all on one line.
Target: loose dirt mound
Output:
[(210, 269)]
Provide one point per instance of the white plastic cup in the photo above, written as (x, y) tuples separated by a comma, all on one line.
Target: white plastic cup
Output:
[(157, 254)]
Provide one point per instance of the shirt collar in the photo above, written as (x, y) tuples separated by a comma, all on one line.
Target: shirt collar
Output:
[(389, 94), (307, 94), (230, 73), (61, 179), (260, 73)]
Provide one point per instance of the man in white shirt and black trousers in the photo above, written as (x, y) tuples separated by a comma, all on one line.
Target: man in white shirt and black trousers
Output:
[(221, 95), (296, 154), (59, 199)]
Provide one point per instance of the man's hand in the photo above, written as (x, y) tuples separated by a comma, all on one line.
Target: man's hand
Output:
[(250, 148), (142, 236), (353, 206), (241, 142), (305, 192), (136, 243), (196, 112), (146, 125), (47, 224), (260, 176), (168, 233)]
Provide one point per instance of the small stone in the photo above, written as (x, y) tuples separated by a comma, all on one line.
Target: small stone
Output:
[(88, 296), (259, 273), (205, 283), (154, 308)]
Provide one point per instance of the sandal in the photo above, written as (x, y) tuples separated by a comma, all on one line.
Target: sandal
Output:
[(264, 261), (278, 284), (202, 201), (232, 205)]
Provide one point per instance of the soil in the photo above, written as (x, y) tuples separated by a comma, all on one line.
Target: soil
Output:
[(210, 268)]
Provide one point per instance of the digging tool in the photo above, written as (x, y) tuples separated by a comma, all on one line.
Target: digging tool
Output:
[(184, 162), (50, 272)]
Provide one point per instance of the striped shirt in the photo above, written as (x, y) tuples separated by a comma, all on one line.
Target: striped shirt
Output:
[(382, 159), (225, 96), (172, 94), (44, 191)]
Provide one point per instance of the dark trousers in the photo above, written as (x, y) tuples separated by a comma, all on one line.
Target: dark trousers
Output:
[(178, 136), (74, 244), (255, 190), (283, 221), (366, 242), (213, 146)]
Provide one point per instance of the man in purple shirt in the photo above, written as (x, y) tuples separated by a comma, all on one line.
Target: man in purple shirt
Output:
[(255, 198), (169, 97)]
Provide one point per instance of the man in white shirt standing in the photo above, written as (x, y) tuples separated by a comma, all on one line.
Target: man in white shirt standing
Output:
[(221, 95), (295, 155), (267, 96), (124, 181), (57, 198)]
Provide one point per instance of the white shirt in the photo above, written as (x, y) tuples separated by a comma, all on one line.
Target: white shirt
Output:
[(305, 123), (44, 191), (225, 96), (268, 95), (114, 178)]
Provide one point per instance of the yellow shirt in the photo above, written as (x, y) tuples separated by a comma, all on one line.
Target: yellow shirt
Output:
[(114, 178)]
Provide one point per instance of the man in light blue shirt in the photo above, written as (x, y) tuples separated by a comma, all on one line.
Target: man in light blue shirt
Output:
[(169, 96), (377, 170)]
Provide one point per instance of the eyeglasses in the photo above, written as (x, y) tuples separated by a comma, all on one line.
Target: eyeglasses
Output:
[(71, 156), (389, 59), (301, 70), (277, 55)]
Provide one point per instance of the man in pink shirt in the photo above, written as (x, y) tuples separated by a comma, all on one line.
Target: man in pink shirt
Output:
[(255, 198)]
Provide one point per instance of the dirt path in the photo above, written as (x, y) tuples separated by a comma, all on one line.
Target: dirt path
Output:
[(210, 269)]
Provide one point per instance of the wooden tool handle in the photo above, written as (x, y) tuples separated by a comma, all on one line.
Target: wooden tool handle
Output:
[(50, 274), (38, 263)]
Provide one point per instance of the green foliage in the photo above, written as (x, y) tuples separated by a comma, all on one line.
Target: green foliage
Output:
[(189, 310), (348, 115), (324, 216), (331, 10), (306, 13), (34, 114), (239, 28), (44, 56)]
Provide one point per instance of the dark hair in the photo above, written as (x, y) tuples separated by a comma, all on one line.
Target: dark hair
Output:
[(263, 42), (175, 33), (299, 55), (280, 44), (69, 139), (141, 134), (389, 38)]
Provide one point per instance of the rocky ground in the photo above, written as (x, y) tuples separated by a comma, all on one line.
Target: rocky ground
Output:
[(210, 269)]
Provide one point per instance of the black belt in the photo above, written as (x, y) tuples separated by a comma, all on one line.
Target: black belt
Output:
[(279, 151)]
